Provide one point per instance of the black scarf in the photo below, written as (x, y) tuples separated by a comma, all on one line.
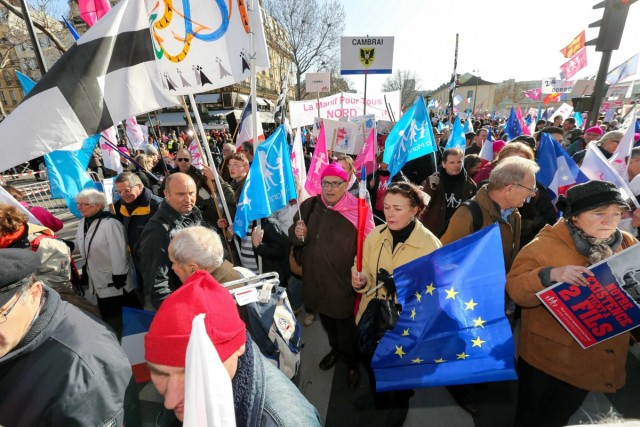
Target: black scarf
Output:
[(89, 219), (401, 236)]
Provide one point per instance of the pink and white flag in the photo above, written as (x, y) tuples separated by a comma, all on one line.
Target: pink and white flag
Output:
[(533, 94), (196, 158), (367, 155), (523, 125), (110, 156), (92, 10), (319, 162), (297, 164), (135, 134), (575, 64), (623, 150)]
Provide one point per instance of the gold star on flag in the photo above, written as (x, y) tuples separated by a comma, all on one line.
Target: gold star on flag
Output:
[(479, 323), (441, 360), (565, 178), (405, 333), (430, 289), (413, 313), (417, 360), (418, 296), (478, 342), (462, 355), (451, 293), (470, 305), (399, 351)]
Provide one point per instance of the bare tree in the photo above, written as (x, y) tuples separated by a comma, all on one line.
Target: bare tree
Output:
[(312, 30), (407, 82), (41, 24)]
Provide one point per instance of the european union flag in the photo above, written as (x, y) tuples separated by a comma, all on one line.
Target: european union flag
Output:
[(512, 127), (269, 185), (452, 329), (456, 138), (410, 138)]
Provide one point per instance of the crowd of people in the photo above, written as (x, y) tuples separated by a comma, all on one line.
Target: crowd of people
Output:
[(167, 244)]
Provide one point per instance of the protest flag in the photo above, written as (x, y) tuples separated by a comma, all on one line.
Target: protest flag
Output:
[(452, 329), (269, 185), (367, 156), (468, 124), (533, 94), (72, 30), (576, 44), (456, 137), (244, 128), (108, 75), (575, 64), (486, 152), (441, 126), (596, 167), (523, 125), (319, 161), (25, 82), (92, 10), (8, 199), (558, 172), (489, 134), (135, 325), (623, 151), (624, 70), (297, 163), (579, 120), (410, 138), (512, 128)]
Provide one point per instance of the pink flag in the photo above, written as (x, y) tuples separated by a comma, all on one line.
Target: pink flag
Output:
[(92, 10), (523, 125), (575, 64), (319, 161), (367, 154), (533, 94), (196, 158), (297, 163)]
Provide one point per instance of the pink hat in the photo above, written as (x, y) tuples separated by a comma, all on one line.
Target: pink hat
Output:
[(498, 145), (595, 129), (636, 137), (334, 169)]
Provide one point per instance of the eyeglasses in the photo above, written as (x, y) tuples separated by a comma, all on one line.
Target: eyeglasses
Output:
[(183, 160), (334, 184), (84, 204), (3, 316), (533, 190), (232, 166), (126, 190)]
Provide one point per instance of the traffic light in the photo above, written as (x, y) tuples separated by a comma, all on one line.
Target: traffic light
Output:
[(611, 25)]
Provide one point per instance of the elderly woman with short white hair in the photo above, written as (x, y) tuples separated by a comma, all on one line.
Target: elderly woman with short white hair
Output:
[(101, 242), (199, 248)]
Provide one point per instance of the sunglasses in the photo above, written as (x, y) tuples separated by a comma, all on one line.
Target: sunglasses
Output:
[(183, 160)]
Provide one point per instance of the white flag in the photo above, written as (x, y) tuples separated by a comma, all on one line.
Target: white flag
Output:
[(623, 150), (110, 156), (298, 166)]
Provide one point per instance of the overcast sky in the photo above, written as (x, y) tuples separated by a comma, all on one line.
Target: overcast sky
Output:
[(503, 39)]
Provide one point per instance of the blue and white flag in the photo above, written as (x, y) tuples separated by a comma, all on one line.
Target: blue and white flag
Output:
[(410, 138), (456, 138), (269, 185), (468, 125)]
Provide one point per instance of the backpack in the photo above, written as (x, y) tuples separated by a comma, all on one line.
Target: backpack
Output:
[(274, 328), (57, 266), (476, 213)]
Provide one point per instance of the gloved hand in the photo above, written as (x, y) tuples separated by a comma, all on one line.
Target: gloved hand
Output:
[(119, 281), (434, 180), (387, 281)]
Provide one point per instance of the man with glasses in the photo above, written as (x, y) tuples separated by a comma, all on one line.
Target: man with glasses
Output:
[(58, 366), (327, 231)]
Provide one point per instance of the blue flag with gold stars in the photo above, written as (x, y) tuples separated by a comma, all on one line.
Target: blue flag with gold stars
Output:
[(452, 329)]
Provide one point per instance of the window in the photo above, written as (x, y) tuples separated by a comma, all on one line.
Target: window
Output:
[(469, 93), (13, 97), (7, 77), (4, 98)]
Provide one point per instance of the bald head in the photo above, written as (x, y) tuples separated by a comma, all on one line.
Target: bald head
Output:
[(180, 192)]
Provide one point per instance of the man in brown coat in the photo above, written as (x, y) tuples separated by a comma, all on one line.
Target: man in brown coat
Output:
[(329, 241)]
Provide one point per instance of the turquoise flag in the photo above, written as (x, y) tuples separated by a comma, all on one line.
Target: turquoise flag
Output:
[(456, 138)]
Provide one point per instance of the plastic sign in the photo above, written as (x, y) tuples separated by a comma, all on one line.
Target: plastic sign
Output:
[(366, 55)]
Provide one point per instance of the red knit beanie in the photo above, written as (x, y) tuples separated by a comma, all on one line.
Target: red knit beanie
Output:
[(166, 342)]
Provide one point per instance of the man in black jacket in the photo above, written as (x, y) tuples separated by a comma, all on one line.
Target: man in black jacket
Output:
[(178, 210), (58, 366)]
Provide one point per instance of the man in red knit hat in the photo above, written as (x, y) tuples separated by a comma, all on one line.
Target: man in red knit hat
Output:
[(261, 393)]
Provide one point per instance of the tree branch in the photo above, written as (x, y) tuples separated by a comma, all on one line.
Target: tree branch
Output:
[(16, 11)]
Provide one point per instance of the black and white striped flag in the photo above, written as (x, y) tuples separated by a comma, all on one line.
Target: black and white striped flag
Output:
[(108, 75), (281, 103)]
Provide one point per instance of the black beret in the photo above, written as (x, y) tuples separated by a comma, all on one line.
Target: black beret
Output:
[(590, 195), (15, 265)]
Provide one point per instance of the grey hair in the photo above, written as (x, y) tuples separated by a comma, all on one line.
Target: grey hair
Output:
[(199, 245), (614, 134), (25, 285), (128, 177), (511, 171), (92, 196)]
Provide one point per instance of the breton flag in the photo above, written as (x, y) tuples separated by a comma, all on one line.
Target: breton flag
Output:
[(135, 325), (282, 98), (205, 45), (576, 44), (244, 129), (558, 172), (452, 329), (108, 75)]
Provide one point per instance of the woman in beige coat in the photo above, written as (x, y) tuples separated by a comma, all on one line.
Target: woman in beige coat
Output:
[(555, 373)]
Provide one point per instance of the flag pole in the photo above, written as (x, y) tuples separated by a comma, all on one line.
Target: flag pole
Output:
[(254, 108), (454, 78), (216, 178), (155, 135), (34, 39), (364, 108)]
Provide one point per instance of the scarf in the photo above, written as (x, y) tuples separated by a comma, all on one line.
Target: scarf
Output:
[(401, 236), (348, 208), (593, 248), (8, 239)]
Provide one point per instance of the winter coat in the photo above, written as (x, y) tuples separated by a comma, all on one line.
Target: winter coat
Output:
[(104, 249), (378, 253), (329, 251), (544, 343), (152, 254), (435, 216), (69, 370), (135, 216), (274, 250), (461, 225)]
